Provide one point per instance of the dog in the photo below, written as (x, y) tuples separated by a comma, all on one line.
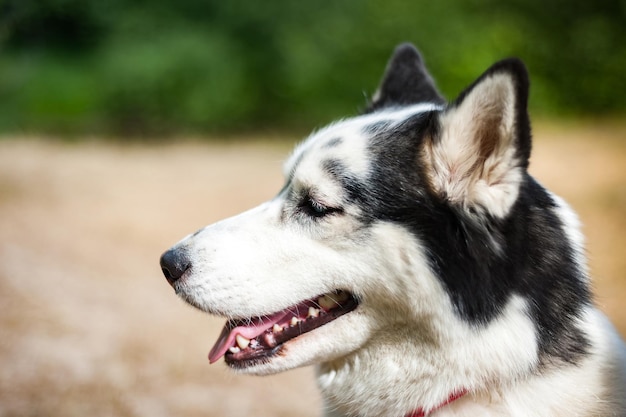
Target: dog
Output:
[(412, 258)]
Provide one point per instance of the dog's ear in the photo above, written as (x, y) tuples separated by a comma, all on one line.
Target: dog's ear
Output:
[(406, 81), (478, 153)]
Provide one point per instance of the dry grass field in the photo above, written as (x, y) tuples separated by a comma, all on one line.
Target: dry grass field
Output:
[(88, 324)]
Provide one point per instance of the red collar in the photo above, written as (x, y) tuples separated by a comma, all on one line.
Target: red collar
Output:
[(454, 396)]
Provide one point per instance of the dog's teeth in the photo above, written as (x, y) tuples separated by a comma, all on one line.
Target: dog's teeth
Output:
[(269, 339), (313, 312), (234, 349), (294, 321), (276, 328), (242, 342), (326, 302)]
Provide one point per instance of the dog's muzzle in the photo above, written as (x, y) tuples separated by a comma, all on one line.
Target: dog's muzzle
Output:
[(174, 263)]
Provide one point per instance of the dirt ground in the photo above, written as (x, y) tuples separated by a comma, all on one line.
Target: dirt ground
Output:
[(88, 324)]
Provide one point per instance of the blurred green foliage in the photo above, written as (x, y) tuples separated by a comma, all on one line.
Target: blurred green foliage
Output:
[(158, 67)]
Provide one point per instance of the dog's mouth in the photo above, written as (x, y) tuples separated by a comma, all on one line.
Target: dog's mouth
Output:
[(255, 340)]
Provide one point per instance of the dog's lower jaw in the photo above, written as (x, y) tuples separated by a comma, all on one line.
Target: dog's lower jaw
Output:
[(317, 346)]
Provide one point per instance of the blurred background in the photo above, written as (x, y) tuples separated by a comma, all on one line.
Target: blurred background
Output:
[(125, 125), (159, 67)]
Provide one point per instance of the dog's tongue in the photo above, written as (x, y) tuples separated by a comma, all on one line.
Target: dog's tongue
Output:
[(256, 327)]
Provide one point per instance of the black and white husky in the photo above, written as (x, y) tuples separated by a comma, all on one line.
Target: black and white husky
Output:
[(413, 259)]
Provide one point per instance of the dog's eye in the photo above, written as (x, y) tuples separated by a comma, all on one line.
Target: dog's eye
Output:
[(314, 208)]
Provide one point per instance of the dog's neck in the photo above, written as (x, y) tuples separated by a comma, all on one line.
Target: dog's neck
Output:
[(406, 366), (382, 385), (453, 397)]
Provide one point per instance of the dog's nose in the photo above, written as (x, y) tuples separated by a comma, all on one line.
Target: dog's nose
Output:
[(174, 263)]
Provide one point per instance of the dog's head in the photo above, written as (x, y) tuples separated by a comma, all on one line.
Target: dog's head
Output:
[(390, 229)]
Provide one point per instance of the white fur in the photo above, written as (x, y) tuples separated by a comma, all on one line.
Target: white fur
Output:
[(404, 347), (572, 229), (351, 151)]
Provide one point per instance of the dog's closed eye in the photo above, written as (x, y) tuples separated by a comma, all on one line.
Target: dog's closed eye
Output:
[(314, 208)]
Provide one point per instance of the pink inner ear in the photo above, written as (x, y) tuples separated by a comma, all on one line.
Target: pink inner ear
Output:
[(476, 162)]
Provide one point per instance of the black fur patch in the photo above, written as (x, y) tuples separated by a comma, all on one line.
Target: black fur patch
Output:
[(338, 171), (406, 81), (376, 127), (481, 261)]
